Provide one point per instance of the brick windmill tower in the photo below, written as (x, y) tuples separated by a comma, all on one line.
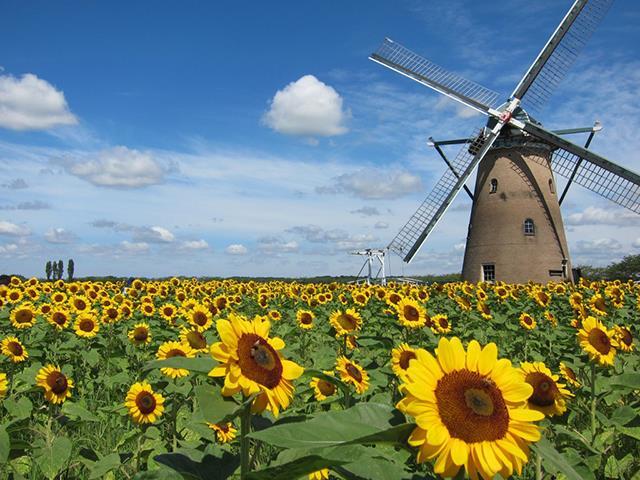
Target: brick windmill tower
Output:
[(516, 232)]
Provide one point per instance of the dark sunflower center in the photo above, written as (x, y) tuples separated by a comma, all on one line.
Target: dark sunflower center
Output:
[(347, 322), (570, 373), (527, 320), (199, 318), (112, 313), (545, 390), (306, 319), (57, 382), (405, 357), (146, 402), (175, 353), (259, 361), (394, 298), (360, 298), (86, 325), (140, 334), (223, 427), (24, 316), (626, 337), (599, 304), (168, 311), (353, 372), (14, 296), (148, 308), (326, 388), (45, 309), (196, 340), (80, 304), (411, 313), (471, 407), (443, 322), (15, 348), (600, 341)]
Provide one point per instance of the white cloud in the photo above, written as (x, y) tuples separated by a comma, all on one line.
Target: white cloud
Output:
[(153, 235), (636, 243), (195, 244), (600, 216), (134, 247), (597, 246), (30, 103), (17, 184), (276, 245), (117, 167), (236, 249), (381, 225), (11, 229), (374, 184), (336, 238), (367, 211), (307, 107), (59, 235), (8, 249)]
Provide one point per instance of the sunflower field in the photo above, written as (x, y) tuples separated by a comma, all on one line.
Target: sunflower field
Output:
[(282, 380)]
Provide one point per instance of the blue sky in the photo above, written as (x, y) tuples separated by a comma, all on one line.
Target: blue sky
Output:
[(256, 138)]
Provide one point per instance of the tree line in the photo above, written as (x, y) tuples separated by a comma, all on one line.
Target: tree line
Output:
[(55, 269)]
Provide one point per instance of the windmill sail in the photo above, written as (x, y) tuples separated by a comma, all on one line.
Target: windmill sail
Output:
[(590, 170), (411, 237), (402, 60), (558, 55)]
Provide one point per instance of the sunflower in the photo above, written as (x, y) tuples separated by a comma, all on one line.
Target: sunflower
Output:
[(484, 310), (87, 325), (322, 389), (110, 314), (322, 474), (551, 318), (225, 432), (463, 303), (147, 309), (45, 309), (575, 300), (194, 338), (502, 292), (527, 321), (624, 337), (200, 317), (168, 312), (140, 334), (470, 410), (57, 387), (440, 323), (275, 315), (250, 363), (541, 297), (549, 396), (174, 349), (305, 319), (598, 305), (13, 295), (410, 313), (351, 372), (569, 375), (23, 316), (345, 322), (12, 348), (401, 357), (80, 304), (4, 384), (59, 297), (145, 406), (598, 341), (393, 298)]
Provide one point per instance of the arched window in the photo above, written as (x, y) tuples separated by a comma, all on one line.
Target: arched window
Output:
[(551, 186), (494, 186), (529, 227)]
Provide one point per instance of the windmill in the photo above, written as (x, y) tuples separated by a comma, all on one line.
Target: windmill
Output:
[(515, 232)]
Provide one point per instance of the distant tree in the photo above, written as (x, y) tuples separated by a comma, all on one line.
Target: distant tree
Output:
[(54, 270), (48, 269), (70, 269), (625, 269), (592, 273), (60, 269)]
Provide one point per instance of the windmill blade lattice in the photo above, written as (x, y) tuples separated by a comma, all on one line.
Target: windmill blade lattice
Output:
[(590, 170), (560, 52), (411, 237), (402, 60)]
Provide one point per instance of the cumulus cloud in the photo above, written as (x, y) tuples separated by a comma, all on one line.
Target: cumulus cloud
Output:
[(367, 211), (600, 216), (195, 244), (10, 248), (336, 238), (117, 167), (17, 184), (154, 234), (307, 107), (13, 230), (372, 184), (236, 249), (276, 245), (59, 235), (636, 243), (30, 103), (597, 246)]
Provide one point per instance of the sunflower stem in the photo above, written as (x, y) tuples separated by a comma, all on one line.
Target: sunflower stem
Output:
[(245, 429), (538, 466), (593, 401)]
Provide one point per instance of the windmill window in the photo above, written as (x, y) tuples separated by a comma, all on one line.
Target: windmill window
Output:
[(529, 227), (551, 186), (494, 186), (489, 272)]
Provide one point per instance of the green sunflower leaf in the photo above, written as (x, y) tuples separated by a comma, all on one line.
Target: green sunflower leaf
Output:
[(196, 365), (553, 461)]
